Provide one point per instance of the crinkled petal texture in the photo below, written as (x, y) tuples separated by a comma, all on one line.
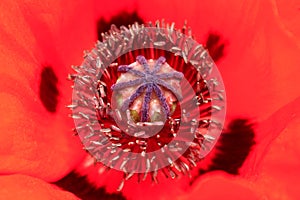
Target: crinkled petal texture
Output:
[(20, 187), (39, 40), (274, 166), (280, 168), (259, 67)]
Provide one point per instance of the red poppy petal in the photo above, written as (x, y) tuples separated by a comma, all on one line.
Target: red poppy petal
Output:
[(218, 185), (288, 16), (26, 187), (35, 140), (278, 168), (107, 9)]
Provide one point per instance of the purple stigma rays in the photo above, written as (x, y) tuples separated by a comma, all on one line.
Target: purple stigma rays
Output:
[(148, 81)]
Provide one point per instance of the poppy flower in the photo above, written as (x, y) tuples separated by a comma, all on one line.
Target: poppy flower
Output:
[(254, 43), (261, 34)]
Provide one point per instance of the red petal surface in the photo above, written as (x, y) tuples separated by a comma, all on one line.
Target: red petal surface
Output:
[(218, 185), (274, 166), (19, 187), (33, 34)]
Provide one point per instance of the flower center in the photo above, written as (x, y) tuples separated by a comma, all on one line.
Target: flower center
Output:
[(145, 116), (146, 95), (149, 90)]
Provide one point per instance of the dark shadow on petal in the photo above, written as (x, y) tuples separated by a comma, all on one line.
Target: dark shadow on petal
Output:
[(79, 186), (124, 18), (215, 46), (48, 89), (232, 148)]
